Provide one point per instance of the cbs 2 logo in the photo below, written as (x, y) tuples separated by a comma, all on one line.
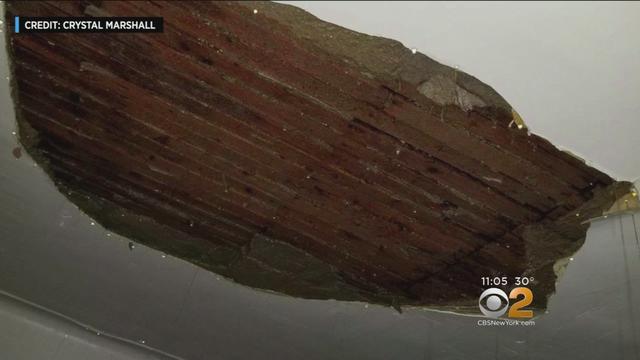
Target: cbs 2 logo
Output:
[(494, 302)]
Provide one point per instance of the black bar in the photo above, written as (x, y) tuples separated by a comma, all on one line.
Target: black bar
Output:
[(80, 24)]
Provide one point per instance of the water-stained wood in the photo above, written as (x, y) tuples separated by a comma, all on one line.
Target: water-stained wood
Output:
[(295, 155)]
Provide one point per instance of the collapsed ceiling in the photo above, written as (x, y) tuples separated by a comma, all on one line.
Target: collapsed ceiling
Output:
[(294, 155)]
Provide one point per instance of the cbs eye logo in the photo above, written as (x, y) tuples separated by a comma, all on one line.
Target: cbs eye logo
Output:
[(494, 302)]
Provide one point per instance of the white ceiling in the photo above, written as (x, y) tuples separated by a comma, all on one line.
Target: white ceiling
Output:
[(572, 70)]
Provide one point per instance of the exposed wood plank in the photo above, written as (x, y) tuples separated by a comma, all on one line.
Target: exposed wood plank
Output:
[(231, 126)]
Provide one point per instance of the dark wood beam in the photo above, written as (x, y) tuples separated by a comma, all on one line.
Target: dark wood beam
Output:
[(295, 155)]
